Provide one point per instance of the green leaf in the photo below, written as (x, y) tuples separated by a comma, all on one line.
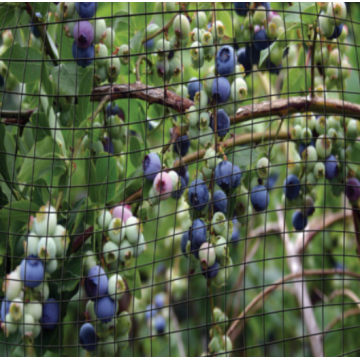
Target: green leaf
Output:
[(44, 157), (106, 176), (136, 153), (7, 17), (8, 344), (18, 211), (40, 193), (84, 93), (68, 77), (242, 156), (72, 275), (90, 172), (295, 14), (132, 184), (40, 123), (136, 42), (25, 63)]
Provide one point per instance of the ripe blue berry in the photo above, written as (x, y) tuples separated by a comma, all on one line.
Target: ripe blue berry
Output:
[(227, 175), (223, 123), (150, 312), (182, 145), (88, 337), (83, 34), (151, 166), (193, 87), (5, 308), (108, 145), (292, 187), (260, 41), (84, 57), (160, 324), (96, 283), (149, 45), (105, 308), (331, 167), (272, 181), (50, 314), (32, 271), (86, 9), (299, 221), (243, 59), (211, 271), (198, 194), (225, 60), (352, 189), (197, 236), (184, 241), (241, 8), (259, 198), (159, 300), (220, 202), (112, 110), (220, 90), (235, 236), (337, 32)]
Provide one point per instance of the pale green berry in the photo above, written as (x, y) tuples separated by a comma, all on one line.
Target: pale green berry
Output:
[(238, 89), (115, 127), (36, 330), (111, 252), (51, 266), (17, 309), (322, 125), (207, 255), (126, 251), (104, 219), (108, 37), (263, 167), (306, 135), (200, 19), (201, 100), (323, 146), (192, 116), (113, 67), (116, 287), (352, 129), (43, 290), (99, 29), (34, 308), (218, 30), (90, 261), (210, 156), (181, 27), (175, 178), (116, 231), (182, 91), (123, 324), (204, 120), (221, 247), (101, 54), (326, 25), (296, 132), (336, 12), (132, 230), (12, 285), (62, 240), (218, 222), (45, 221), (310, 156), (319, 170), (308, 121), (154, 198), (9, 326), (124, 53), (194, 133), (206, 137), (46, 248), (90, 310), (108, 347)]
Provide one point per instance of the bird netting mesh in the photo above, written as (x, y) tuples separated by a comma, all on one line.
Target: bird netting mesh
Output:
[(179, 179)]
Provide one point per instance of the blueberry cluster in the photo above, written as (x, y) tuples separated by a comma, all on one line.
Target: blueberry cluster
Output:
[(155, 314), (126, 240), (260, 27), (27, 293), (103, 327)]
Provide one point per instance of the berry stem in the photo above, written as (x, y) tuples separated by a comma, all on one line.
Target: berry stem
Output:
[(161, 30), (137, 66)]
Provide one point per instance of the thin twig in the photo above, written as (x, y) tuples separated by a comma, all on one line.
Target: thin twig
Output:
[(277, 133), (80, 240), (100, 107), (350, 312), (161, 30), (341, 292), (318, 272), (138, 63)]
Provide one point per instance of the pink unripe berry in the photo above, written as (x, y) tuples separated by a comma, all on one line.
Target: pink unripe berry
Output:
[(121, 212), (163, 185)]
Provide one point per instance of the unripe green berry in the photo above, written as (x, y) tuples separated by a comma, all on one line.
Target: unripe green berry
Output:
[(162, 67), (108, 37), (111, 252), (34, 308), (99, 28), (259, 17), (306, 135), (308, 121), (51, 266), (181, 27), (194, 133), (100, 75), (46, 248), (201, 100), (116, 287), (310, 156), (206, 137), (124, 54), (113, 67), (16, 309), (333, 135), (140, 246), (9, 326), (115, 231), (221, 247), (204, 120), (126, 251), (352, 129), (319, 170), (115, 129), (323, 146), (218, 31), (296, 132), (336, 12), (123, 324), (239, 89), (104, 219), (263, 167), (31, 244), (200, 19), (326, 25), (45, 221), (322, 125), (207, 255)]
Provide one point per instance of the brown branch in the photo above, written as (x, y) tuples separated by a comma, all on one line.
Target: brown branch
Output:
[(43, 33), (317, 225), (142, 92), (319, 272), (301, 291), (165, 28), (80, 240), (350, 312), (20, 118)]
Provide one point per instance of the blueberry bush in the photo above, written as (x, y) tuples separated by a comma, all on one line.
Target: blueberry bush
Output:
[(179, 179)]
